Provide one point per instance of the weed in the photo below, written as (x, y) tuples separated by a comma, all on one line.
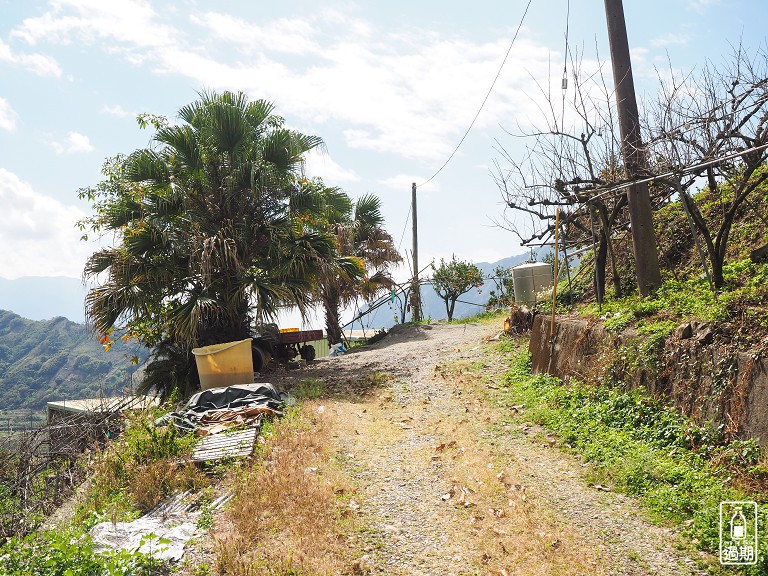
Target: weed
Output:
[(69, 552), (677, 299), (309, 389), (482, 317), (140, 469), (618, 321), (679, 470), (205, 520)]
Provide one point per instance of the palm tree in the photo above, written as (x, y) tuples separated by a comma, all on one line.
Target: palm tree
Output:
[(358, 230), (206, 241)]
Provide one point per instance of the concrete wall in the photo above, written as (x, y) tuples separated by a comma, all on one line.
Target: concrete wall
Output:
[(697, 372)]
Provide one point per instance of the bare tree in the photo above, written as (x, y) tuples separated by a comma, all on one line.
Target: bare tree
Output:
[(713, 128), (567, 161)]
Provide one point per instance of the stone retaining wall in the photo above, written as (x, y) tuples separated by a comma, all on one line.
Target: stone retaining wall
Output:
[(696, 371)]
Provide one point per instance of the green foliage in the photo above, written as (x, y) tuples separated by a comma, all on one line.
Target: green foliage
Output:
[(452, 279), (483, 317), (502, 295), (56, 359), (68, 553), (206, 237), (362, 243), (309, 388), (674, 299), (618, 321), (139, 469), (680, 470)]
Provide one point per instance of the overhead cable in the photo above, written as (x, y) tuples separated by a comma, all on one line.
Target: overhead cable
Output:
[(482, 105)]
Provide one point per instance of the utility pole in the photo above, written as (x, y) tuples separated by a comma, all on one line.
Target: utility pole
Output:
[(415, 289), (638, 198)]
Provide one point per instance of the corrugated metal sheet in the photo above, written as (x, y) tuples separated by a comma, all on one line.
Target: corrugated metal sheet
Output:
[(226, 445), (321, 348), (105, 405)]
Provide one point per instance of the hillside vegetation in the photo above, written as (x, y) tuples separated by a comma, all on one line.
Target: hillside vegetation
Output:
[(42, 361)]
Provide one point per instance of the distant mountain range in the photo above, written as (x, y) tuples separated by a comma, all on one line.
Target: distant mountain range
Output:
[(44, 297), (42, 361), (473, 302), (46, 353)]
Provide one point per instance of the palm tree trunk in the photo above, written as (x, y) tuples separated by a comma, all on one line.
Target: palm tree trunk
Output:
[(331, 304)]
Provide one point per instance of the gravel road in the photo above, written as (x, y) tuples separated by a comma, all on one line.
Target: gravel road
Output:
[(447, 483)]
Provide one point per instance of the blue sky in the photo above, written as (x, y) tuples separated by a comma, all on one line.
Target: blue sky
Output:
[(390, 86)]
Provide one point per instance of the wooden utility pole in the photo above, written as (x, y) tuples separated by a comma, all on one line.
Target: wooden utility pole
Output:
[(415, 289), (640, 211)]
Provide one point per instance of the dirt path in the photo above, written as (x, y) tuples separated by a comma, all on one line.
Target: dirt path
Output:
[(447, 483)]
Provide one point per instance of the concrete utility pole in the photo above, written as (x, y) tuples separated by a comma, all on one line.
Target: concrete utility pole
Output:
[(415, 289), (640, 211)]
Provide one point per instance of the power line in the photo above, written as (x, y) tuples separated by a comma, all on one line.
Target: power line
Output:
[(680, 171), (405, 227), (482, 105), (690, 169)]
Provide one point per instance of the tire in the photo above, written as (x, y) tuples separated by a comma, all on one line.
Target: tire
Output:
[(261, 359), (307, 352)]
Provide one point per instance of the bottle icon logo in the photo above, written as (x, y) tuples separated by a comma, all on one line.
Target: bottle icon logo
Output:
[(738, 525), (738, 533)]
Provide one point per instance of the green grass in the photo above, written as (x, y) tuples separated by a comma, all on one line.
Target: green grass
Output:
[(309, 389), (482, 317), (679, 470), (746, 283), (68, 553)]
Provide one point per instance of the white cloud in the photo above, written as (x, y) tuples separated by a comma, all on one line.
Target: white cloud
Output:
[(7, 116), (39, 64), (702, 5), (116, 110), (75, 143), (323, 166), (671, 39), (291, 36), (37, 233), (400, 94), (133, 22)]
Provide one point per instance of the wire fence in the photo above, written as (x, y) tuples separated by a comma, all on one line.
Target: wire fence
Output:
[(40, 465)]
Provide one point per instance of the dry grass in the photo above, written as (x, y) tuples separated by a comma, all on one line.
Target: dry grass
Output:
[(508, 527), (140, 469), (286, 517)]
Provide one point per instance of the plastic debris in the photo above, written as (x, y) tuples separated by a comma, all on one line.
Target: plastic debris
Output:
[(162, 533)]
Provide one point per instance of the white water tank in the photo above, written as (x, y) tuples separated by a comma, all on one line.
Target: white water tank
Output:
[(530, 279)]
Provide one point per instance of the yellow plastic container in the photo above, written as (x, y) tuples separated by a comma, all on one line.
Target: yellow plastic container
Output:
[(224, 364)]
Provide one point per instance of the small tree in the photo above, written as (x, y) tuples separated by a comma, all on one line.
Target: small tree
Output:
[(503, 291), (452, 279)]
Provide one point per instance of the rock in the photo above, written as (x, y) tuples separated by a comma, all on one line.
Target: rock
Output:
[(705, 336), (760, 254), (684, 331)]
